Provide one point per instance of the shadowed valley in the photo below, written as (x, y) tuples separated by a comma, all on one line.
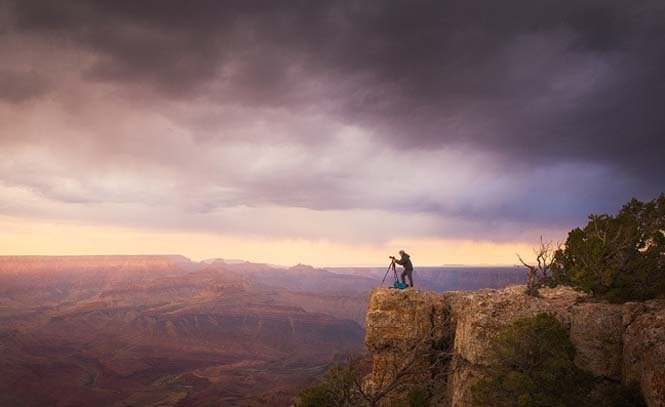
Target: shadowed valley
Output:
[(166, 331)]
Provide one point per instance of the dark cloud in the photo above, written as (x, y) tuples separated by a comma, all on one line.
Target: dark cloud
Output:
[(492, 74), (536, 83)]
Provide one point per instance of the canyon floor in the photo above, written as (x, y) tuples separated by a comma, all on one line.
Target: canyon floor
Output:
[(166, 331)]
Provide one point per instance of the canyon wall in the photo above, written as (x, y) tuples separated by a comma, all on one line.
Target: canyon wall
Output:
[(616, 342)]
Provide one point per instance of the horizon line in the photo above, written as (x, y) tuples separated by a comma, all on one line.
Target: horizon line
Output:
[(250, 261)]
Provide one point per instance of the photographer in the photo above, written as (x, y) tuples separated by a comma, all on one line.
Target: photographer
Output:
[(405, 261)]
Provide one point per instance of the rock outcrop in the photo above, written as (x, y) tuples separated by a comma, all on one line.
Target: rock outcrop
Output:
[(644, 349), (615, 342)]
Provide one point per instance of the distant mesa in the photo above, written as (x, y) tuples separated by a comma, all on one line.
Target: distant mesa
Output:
[(302, 268), (224, 261)]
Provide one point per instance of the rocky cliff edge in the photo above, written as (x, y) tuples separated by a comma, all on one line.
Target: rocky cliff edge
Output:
[(617, 342)]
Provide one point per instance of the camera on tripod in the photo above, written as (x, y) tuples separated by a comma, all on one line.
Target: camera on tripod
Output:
[(397, 284)]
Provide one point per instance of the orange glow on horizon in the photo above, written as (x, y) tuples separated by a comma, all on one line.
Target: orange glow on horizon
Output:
[(39, 237)]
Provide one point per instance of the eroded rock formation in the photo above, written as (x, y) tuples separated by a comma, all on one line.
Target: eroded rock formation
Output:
[(615, 342)]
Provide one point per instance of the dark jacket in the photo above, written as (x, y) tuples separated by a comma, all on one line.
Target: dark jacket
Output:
[(405, 261)]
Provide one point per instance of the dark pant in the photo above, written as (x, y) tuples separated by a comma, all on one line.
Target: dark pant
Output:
[(407, 273)]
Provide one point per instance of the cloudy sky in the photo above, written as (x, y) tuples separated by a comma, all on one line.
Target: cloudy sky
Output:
[(325, 132)]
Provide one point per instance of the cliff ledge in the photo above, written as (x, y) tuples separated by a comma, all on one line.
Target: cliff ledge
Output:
[(616, 342)]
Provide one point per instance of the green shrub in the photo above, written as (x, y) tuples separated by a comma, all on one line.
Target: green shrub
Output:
[(315, 396), (533, 367), (620, 257), (338, 387), (417, 397)]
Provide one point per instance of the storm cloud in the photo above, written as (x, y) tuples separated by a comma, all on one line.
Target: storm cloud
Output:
[(471, 114)]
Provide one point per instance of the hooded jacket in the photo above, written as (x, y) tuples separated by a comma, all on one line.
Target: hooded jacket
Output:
[(405, 261)]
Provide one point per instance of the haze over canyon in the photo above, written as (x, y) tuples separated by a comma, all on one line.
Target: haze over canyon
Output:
[(163, 330)]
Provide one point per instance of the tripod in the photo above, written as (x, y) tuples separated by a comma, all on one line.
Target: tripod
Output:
[(390, 266)]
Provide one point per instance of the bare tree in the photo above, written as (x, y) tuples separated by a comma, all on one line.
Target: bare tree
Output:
[(424, 362), (427, 358), (541, 272)]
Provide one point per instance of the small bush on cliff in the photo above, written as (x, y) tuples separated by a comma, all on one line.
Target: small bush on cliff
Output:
[(400, 379), (337, 389), (620, 257), (315, 396), (417, 397), (534, 367)]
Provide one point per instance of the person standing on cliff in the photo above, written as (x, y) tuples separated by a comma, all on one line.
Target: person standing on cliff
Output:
[(405, 261)]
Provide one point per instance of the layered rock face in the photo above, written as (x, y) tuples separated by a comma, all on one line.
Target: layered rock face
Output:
[(616, 342), (162, 330), (397, 320)]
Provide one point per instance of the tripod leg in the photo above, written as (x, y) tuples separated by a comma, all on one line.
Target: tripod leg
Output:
[(387, 271)]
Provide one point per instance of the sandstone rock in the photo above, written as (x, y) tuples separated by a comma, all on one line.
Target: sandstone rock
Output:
[(462, 378), (596, 331), (616, 342), (396, 318), (480, 315), (644, 349)]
